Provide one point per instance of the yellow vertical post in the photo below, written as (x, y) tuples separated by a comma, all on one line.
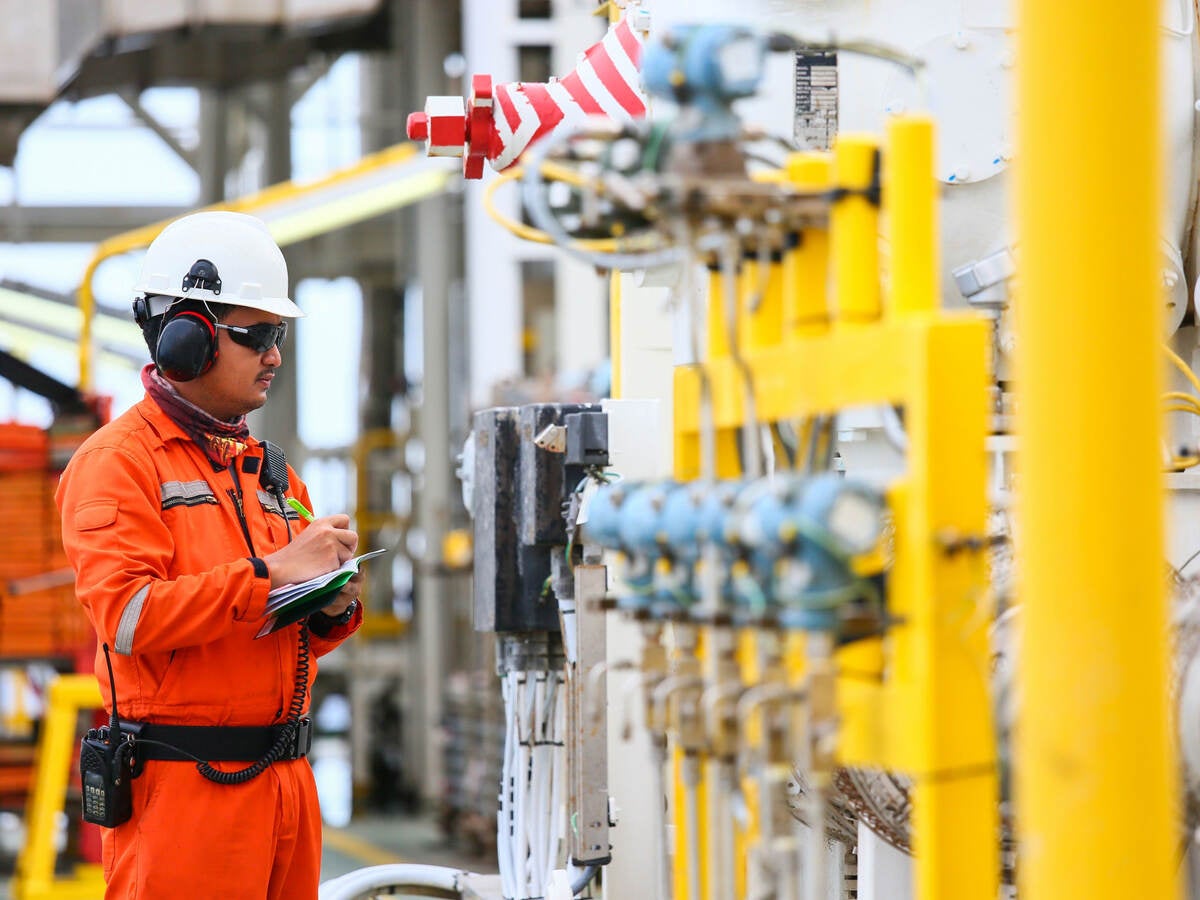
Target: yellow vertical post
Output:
[(806, 264), (1093, 665), (939, 595), (854, 229), (911, 200)]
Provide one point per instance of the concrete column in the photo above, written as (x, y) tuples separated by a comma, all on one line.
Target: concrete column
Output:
[(278, 420), (213, 152), (432, 36)]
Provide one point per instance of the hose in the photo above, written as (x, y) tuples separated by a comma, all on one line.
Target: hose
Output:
[(353, 885), (585, 878), (287, 735), (539, 210), (525, 232)]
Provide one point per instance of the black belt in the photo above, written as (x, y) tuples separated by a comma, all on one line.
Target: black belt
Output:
[(215, 743)]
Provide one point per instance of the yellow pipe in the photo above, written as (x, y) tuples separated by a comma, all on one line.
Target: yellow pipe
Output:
[(854, 229), (806, 265), (912, 215), (1093, 664), (687, 657), (749, 830), (1184, 369), (551, 172)]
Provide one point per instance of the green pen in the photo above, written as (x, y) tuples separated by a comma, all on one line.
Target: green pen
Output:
[(299, 507)]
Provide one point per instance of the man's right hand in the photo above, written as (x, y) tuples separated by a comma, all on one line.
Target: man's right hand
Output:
[(321, 547)]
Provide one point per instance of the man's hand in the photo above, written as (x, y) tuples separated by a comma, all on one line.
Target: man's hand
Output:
[(321, 547), (345, 596)]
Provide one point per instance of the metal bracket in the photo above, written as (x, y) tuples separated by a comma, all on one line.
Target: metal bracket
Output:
[(587, 747)]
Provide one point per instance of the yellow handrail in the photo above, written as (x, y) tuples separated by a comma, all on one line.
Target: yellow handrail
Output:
[(35, 880), (255, 203)]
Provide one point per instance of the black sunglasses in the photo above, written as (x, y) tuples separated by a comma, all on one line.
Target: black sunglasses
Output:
[(260, 338)]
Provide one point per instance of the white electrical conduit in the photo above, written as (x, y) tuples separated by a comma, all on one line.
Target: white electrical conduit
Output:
[(505, 824), (658, 762), (716, 828), (691, 298), (531, 821), (730, 256), (750, 701), (725, 875), (716, 698), (1187, 13), (816, 869), (893, 428), (354, 885)]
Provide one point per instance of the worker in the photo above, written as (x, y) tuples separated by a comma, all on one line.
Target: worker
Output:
[(175, 521)]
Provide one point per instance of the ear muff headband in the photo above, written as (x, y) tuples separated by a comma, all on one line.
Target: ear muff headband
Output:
[(186, 345)]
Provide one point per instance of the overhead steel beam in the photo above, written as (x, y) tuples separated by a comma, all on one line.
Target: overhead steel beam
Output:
[(77, 224), (134, 102)]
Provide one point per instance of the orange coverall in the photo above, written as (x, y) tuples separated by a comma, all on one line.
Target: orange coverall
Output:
[(163, 570)]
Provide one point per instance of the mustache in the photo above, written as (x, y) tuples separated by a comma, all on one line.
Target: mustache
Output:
[(266, 372)]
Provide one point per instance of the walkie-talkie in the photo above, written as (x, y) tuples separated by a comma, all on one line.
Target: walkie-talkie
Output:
[(274, 474), (106, 768)]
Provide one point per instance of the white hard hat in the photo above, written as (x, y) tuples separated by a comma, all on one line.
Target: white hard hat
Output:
[(249, 266)]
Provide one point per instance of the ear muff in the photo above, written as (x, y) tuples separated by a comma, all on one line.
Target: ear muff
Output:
[(186, 345)]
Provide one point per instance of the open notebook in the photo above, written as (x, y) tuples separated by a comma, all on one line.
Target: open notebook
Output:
[(290, 603)]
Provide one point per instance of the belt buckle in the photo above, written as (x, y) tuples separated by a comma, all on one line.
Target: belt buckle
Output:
[(303, 737)]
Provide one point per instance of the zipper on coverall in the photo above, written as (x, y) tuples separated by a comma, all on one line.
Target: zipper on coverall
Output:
[(235, 494)]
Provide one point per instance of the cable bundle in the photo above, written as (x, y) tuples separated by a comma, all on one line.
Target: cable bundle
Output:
[(530, 825)]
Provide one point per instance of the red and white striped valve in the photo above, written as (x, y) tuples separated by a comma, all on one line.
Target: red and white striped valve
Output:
[(498, 122)]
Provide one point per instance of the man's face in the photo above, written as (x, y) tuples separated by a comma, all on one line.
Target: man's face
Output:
[(241, 376)]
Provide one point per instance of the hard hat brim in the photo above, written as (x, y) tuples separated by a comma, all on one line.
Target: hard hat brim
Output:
[(279, 306)]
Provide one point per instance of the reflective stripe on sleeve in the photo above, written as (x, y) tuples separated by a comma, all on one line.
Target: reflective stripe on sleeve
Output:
[(129, 619)]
